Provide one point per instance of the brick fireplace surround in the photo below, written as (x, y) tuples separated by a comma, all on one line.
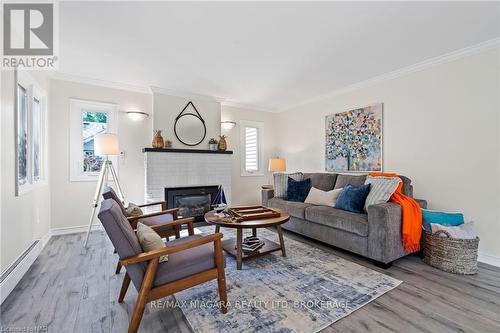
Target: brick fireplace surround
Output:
[(185, 167)]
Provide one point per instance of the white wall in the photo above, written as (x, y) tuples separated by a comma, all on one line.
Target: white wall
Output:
[(167, 108), (247, 190), (441, 129), (27, 217), (71, 201)]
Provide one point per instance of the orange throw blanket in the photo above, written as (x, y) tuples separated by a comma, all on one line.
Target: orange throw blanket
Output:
[(412, 215)]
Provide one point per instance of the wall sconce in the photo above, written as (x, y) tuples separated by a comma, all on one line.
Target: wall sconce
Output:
[(137, 115), (227, 124)]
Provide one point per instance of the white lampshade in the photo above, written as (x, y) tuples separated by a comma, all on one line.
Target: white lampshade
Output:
[(106, 144), (277, 164)]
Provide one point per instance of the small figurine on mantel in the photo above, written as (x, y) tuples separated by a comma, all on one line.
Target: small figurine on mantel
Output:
[(168, 144), (157, 139), (222, 143)]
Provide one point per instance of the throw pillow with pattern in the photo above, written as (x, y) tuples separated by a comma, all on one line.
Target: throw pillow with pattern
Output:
[(281, 183)]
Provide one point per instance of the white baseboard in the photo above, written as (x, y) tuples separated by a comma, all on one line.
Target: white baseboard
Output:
[(74, 230), (488, 259), (22, 265)]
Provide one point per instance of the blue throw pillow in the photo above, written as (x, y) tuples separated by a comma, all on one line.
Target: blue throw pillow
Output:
[(352, 199), (298, 190), (443, 218)]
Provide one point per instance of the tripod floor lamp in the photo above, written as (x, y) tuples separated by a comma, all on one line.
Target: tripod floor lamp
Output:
[(105, 144)]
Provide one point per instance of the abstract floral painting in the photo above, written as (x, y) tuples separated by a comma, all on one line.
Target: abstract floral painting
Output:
[(354, 140)]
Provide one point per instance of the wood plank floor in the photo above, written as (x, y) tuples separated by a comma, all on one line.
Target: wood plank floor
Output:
[(69, 289)]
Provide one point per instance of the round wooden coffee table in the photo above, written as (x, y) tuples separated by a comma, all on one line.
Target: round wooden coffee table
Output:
[(234, 246)]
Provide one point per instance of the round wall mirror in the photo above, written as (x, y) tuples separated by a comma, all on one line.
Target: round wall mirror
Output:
[(190, 129)]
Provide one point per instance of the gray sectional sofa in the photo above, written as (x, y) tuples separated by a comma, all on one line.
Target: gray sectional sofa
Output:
[(376, 235)]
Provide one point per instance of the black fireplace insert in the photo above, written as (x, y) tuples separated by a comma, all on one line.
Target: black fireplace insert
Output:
[(192, 201)]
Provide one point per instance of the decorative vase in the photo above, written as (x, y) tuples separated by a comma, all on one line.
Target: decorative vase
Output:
[(212, 146), (222, 143), (157, 139), (168, 144)]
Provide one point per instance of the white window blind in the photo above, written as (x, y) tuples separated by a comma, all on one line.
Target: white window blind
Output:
[(251, 148), (251, 152)]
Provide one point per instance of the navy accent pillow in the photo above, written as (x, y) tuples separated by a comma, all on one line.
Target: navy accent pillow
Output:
[(298, 190), (352, 199)]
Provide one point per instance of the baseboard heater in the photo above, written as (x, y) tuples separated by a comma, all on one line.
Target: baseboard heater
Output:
[(12, 275)]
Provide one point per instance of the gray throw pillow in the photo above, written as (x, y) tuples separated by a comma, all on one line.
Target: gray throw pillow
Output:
[(133, 210), (281, 183), (150, 240), (381, 189)]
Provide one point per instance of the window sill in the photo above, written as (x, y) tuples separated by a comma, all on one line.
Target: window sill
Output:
[(254, 174), (27, 188)]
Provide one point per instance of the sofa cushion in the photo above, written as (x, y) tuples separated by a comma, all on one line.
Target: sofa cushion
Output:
[(354, 180), (353, 198), (322, 198), (298, 190), (281, 183), (339, 219), (382, 188), (293, 208), (322, 181)]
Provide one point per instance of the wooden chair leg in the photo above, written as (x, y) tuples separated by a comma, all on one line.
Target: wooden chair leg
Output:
[(221, 276), (190, 229), (177, 232), (140, 304), (123, 291), (118, 267)]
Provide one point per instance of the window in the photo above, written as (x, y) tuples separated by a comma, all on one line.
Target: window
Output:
[(251, 138), (30, 132), (87, 119), (22, 135), (93, 123), (37, 139)]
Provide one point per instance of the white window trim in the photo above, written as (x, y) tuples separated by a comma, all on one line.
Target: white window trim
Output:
[(41, 96), (75, 127), (32, 90), (260, 139)]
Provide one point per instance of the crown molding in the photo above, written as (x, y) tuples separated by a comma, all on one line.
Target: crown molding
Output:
[(185, 94), (61, 76), (445, 58), (247, 106)]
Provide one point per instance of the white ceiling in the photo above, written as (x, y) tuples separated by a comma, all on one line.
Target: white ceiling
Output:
[(272, 55)]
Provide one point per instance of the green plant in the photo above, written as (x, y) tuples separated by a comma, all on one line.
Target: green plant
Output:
[(212, 141)]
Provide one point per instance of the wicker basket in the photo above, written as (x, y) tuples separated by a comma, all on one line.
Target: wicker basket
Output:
[(452, 255)]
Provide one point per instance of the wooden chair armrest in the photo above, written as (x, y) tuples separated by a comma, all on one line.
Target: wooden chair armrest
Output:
[(162, 212), (162, 203), (146, 256), (174, 223)]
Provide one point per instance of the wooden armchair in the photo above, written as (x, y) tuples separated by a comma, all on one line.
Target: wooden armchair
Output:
[(165, 221), (162, 217), (192, 260)]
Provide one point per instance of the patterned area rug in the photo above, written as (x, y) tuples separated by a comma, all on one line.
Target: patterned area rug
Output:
[(305, 292)]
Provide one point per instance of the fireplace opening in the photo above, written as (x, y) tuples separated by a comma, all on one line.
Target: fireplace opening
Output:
[(192, 201)]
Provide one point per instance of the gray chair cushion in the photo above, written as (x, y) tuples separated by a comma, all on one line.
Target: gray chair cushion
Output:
[(293, 208), (322, 181), (109, 193), (185, 263), (159, 219), (123, 238), (354, 180), (339, 219)]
